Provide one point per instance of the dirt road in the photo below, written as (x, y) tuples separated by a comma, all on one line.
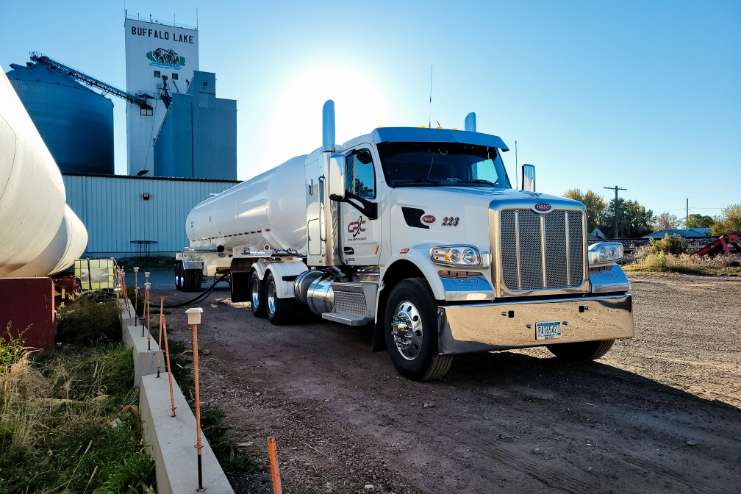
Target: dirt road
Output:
[(660, 413)]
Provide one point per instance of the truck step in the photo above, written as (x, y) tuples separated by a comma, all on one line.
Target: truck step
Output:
[(353, 299), (346, 319)]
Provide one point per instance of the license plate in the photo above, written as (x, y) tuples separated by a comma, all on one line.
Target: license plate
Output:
[(547, 330)]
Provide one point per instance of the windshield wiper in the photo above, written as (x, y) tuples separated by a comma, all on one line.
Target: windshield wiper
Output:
[(417, 181), (477, 181)]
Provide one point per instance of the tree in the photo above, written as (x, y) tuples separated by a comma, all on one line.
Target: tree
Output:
[(634, 220), (665, 221), (594, 203), (699, 221), (730, 221)]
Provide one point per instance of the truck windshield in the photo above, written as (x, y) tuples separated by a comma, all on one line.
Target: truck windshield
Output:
[(410, 164)]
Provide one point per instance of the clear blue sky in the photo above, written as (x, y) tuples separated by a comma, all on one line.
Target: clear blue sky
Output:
[(646, 95)]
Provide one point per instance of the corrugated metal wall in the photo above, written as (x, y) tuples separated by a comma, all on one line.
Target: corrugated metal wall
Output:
[(116, 214)]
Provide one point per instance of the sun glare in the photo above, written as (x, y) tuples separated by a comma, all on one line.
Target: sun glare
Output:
[(295, 125)]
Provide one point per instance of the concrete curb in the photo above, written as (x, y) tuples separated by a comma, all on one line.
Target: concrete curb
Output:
[(147, 355), (170, 440)]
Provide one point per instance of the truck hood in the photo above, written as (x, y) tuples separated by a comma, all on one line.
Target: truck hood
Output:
[(461, 213), (452, 196)]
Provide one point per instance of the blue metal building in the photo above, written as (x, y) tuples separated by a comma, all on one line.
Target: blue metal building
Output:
[(75, 122), (127, 216), (198, 138)]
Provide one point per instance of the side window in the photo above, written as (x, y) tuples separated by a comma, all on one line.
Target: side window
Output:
[(360, 178)]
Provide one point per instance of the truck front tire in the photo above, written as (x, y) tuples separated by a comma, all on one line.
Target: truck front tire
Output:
[(411, 334), (257, 296), (581, 352)]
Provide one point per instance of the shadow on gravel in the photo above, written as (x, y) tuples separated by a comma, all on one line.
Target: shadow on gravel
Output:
[(591, 383)]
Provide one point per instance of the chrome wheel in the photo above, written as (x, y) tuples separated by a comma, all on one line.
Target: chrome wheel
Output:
[(271, 297), (255, 298), (407, 330)]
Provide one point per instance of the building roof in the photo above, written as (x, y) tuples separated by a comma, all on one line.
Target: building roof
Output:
[(680, 232)]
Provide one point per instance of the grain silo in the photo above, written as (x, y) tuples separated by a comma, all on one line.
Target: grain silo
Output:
[(75, 122)]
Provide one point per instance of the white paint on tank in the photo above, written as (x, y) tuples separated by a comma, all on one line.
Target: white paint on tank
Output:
[(32, 195), (67, 245), (267, 210)]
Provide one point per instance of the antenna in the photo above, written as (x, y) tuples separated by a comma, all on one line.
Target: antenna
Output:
[(429, 117), (517, 165), (196, 17)]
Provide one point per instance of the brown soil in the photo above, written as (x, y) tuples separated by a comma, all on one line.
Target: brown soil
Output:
[(659, 413)]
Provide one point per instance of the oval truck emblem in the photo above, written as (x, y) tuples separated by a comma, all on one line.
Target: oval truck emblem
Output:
[(428, 218), (542, 207)]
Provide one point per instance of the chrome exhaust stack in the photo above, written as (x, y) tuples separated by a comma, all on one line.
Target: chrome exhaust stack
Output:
[(314, 289)]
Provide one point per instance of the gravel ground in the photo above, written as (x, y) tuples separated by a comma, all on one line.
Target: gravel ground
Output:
[(660, 413)]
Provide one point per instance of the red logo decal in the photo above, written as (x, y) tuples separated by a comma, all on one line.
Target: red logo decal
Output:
[(356, 227), (428, 218)]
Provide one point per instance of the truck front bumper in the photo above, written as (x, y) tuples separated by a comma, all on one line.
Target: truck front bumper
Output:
[(501, 325)]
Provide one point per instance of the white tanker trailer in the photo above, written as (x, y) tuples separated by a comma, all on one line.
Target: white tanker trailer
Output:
[(39, 234), (417, 234)]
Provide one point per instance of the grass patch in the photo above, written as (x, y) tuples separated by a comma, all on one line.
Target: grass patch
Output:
[(69, 422), (684, 263)]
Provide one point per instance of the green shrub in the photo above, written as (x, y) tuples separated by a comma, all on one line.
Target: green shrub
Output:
[(11, 350), (89, 321), (668, 245)]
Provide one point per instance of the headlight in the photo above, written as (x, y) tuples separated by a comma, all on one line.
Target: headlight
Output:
[(456, 255), (603, 253)]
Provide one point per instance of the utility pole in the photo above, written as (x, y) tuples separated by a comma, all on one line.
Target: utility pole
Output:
[(687, 212), (617, 209)]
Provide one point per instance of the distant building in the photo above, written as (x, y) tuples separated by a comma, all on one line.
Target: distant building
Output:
[(130, 216), (198, 137), (680, 232), (158, 55)]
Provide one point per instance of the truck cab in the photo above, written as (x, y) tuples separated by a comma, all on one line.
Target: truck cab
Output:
[(419, 234)]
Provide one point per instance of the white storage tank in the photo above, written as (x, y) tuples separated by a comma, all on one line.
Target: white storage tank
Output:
[(238, 216), (32, 198)]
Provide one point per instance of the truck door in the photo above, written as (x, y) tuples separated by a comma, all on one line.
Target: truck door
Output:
[(360, 227)]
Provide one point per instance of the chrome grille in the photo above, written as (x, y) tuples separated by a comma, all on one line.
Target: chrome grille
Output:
[(541, 251)]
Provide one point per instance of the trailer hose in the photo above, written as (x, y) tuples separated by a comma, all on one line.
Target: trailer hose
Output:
[(194, 300)]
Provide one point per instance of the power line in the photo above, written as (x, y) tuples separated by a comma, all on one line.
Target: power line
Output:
[(617, 208)]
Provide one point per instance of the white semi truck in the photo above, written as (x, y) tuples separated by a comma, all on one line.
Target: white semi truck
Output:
[(417, 234)]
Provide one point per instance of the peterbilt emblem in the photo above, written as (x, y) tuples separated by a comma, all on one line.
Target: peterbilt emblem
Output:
[(428, 218), (542, 207)]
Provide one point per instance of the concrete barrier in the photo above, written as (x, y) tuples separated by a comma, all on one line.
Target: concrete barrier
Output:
[(171, 441)]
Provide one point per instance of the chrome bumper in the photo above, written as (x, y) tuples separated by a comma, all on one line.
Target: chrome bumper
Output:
[(507, 324)]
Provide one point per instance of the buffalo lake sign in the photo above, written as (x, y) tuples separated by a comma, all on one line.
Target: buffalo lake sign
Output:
[(162, 34)]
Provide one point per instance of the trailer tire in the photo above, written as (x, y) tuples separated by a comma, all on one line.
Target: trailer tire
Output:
[(411, 334), (582, 351), (179, 276), (192, 279), (257, 296), (279, 310)]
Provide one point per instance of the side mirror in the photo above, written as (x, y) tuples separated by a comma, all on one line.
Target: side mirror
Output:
[(337, 177), (528, 178)]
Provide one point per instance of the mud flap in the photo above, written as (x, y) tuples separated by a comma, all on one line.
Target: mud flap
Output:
[(378, 342)]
